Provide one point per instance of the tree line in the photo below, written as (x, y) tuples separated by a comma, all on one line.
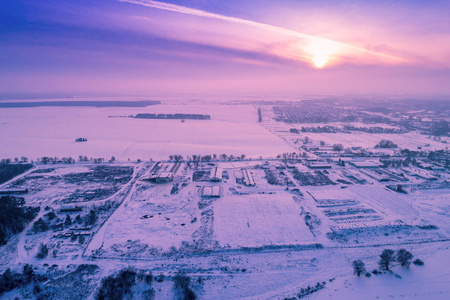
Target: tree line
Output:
[(386, 261)]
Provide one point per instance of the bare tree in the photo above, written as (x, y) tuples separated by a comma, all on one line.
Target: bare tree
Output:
[(386, 259), (358, 267), (404, 257)]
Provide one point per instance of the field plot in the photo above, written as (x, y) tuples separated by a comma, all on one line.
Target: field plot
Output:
[(368, 214), (152, 222), (435, 207), (258, 220), (233, 129), (393, 204), (410, 140), (398, 204), (71, 184)]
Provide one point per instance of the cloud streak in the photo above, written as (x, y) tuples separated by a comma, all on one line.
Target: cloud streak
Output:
[(317, 50)]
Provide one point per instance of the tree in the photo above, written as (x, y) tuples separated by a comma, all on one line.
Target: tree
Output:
[(14, 216), (148, 294), (91, 217), (386, 259), (386, 144), (358, 267), (338, 147), (404, 257), (116, 287), (78, 219), (43, 251), (27, 273), (68, 221), (181, 285), (50, 215)]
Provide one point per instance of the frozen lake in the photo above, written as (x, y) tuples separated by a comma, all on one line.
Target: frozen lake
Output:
[(51, 131)]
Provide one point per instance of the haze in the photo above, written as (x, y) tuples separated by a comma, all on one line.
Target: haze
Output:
[(400, 47)]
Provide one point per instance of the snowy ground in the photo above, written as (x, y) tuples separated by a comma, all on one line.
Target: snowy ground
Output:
[(410, 140), (258, 220)]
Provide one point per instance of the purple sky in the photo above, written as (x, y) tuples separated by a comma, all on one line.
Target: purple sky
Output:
[(395, 47)]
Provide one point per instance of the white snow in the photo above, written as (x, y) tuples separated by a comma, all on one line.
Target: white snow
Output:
[(51, 131), (258, 220)]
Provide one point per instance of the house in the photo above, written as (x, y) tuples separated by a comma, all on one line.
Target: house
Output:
[(216, 174)]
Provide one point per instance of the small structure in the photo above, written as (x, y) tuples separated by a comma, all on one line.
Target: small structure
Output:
[(319, 165), (162, 177), (211, 192), (216, 174), (365, 164), (248, 178), (13, 191), (69, 209), (377, 176), (82, 228), (438, 168)]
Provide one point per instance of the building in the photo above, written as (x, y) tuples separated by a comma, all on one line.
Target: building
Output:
[(162, 177), (216, 174), (319, 165), (69, 209), (13, 191), (248, 178), (211, 192), (365, 164)]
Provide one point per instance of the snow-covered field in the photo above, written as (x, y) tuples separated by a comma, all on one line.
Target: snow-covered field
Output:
[(410, 140), (51, 131), (258, 220)]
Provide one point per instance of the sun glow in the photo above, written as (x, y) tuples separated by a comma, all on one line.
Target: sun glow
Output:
[(322, 51)]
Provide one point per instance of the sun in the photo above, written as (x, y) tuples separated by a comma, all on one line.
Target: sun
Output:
[(320, 60), (321, 51)]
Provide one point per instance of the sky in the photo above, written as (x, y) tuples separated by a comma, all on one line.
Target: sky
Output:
[(233, 46)]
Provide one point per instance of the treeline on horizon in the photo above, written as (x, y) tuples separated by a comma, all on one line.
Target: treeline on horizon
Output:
[(173, 116)]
